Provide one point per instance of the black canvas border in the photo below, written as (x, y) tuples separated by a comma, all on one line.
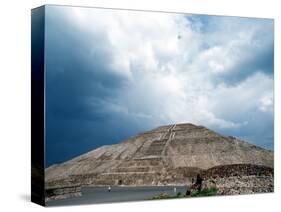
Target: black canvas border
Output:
[(37, 105)]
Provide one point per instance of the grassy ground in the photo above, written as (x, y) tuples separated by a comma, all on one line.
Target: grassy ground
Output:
[(202, 193), (166, 196), (205, 192)]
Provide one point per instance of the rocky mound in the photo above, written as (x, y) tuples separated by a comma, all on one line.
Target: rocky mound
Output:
[(239, 179)]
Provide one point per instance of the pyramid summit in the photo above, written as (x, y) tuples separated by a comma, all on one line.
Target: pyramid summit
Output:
[(171, 154)]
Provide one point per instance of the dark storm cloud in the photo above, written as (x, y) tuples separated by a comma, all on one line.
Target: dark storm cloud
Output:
[(79, 82), (262, 60)]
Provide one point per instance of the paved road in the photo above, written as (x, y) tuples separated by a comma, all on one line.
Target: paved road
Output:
[(92, 195)]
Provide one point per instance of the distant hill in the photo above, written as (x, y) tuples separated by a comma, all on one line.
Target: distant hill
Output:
[(170, 154)]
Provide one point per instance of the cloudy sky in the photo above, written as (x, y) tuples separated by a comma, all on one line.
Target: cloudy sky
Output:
[(113, 73)]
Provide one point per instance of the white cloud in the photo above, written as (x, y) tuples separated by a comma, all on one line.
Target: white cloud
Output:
[(266, 103), (172, 67)]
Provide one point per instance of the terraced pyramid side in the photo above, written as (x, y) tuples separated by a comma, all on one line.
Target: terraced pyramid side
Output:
[(170, 154)]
